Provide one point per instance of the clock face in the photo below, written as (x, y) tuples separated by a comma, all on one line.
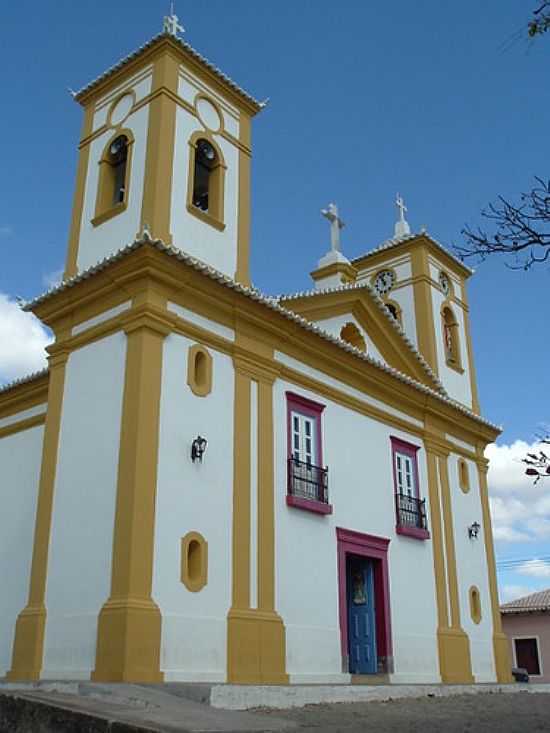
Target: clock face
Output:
[(444, 283), (384, 281)]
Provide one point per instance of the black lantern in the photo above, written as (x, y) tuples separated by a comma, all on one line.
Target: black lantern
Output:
[(198, 448), (473, 530)]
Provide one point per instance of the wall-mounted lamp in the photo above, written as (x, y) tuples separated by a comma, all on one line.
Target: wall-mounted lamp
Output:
[(198, 448), (473, 530)]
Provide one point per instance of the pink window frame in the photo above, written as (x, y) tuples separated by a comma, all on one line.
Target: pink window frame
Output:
[(409, 449), (350, 542), (309, 408)]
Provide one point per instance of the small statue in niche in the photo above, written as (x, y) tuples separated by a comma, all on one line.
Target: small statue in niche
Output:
[(359, 593)]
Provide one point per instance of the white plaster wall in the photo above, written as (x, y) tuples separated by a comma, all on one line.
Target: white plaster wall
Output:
[(79, 572), (457, 385), (194, 497), (471, 563), (20, 460), (99, 242), (335, 324), (139, 84), (357, 451), (190, 234), (401, 265), (404, 297), (190, 85)]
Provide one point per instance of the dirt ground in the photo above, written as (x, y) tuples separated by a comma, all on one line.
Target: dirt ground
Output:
[(506, 713)]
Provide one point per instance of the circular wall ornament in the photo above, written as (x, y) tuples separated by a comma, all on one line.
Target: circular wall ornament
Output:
[(120, 109), (444, 283), (384, 281), (209, 114)]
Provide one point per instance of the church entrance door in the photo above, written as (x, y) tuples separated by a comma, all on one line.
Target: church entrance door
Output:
[(361, 615)]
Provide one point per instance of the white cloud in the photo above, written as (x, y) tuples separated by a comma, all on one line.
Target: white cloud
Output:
[(536, 568), (520, 509), (22, 341), (511, 592), (52, 279)]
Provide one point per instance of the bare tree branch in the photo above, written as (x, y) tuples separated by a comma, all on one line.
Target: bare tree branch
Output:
[(540, 22), (522, 230), (538, 463)]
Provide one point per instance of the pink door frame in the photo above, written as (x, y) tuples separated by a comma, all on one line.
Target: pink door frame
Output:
[(374, 548)]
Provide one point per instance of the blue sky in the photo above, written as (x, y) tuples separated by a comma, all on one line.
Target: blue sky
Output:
[(366, 99)]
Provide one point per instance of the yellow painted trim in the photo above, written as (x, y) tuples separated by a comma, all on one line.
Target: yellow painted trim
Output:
[(423, 307), (104, 207), (129, 624), (71, 268), (194, 581), (352, 335), (161, 142), (200, 386), (207, 98), (455, 362), (28, 645), (165, 45), (475, 604), (256, 638), (21, 425), (242, 272), (24, 396), (216, 193), (126, 93), (501, 649), (470, 356), (463, 475), (347, 271)]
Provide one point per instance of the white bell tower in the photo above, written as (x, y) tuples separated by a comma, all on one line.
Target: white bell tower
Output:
[(165, 146)]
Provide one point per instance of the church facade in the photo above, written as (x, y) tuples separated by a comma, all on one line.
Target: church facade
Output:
[(211, 484)]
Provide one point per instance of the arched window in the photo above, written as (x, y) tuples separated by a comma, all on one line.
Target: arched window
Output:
[(353, 336), (450, 338), (114, 175), (206, 181), (394, 310)]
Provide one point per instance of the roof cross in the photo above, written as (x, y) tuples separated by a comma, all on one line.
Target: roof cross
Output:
[(402, 227), (331, 213), (171, 23)]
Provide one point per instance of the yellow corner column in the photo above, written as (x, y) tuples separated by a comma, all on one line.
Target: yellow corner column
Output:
[(423, 306), (161, 139), (503, 664), (256, 646), (453, 643), (28, 645), (242, 273), (129, 626)]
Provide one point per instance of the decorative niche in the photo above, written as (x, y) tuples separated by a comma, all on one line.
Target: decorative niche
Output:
[(194, 561), (199, 370)]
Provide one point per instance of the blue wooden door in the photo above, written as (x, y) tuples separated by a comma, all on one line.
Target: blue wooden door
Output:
[(361, 619)]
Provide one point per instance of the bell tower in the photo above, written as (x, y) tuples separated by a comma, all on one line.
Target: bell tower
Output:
[(165, 146)]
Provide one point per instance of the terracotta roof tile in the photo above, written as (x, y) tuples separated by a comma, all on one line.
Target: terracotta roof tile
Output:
[(539, 601)]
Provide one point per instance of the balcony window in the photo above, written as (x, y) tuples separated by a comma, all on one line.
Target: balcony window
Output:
[(410, 507), (307, 480)]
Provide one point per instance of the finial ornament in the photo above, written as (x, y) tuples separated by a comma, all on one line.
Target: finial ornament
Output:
[(331, 213), (402, 227), (171, 23)]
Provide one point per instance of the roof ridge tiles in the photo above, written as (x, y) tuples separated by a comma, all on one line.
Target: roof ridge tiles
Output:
[(251, 292), (184, 45)]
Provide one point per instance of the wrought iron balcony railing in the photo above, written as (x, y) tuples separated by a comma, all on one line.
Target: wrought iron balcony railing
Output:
[(411, 512), (306, 481)]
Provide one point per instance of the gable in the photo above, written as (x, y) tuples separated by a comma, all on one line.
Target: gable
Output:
[(361, 306)]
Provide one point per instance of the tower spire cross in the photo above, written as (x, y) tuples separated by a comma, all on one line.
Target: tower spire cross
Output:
[(171, 23), (331, 213), (402, 227)]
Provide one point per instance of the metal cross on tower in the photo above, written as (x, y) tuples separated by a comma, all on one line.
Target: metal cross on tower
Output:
[(331, 213)]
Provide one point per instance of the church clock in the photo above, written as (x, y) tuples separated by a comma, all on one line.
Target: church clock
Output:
[(384, 282)]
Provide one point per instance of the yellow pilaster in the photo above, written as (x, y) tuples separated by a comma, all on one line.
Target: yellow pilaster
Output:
[(503, 664), (242, 273), (423, 306), (129, 626), (161, 137), (453, 643), (256, 647), (28, 646)]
